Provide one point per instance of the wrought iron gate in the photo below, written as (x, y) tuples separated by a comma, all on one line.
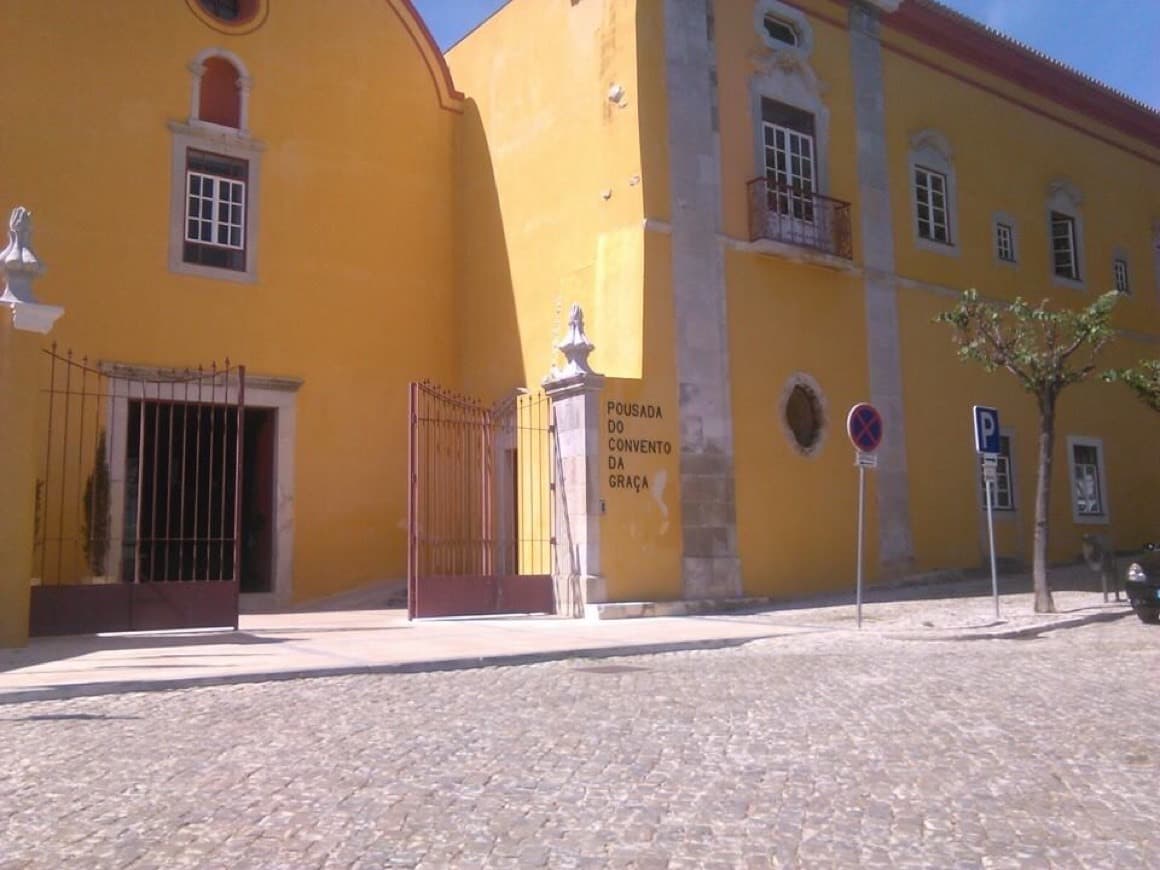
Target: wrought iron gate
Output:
[(481, 508), (138, 505)]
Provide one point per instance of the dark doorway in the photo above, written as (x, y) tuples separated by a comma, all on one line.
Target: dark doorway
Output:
[(180, 526), (257, 573)]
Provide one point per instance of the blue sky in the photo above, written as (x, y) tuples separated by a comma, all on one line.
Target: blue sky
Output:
[(1116, 41)]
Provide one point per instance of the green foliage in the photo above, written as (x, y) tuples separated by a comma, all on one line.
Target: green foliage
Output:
[(96, 503), (1047, 350), (1144, 380)]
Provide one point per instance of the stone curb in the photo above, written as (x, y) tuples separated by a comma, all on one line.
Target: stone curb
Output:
[(459, 663), (1023, 631), (90, 690)]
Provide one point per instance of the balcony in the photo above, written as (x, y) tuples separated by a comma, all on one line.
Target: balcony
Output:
[(787, 215)]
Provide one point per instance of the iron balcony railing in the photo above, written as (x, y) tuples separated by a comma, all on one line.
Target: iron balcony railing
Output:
[(783, 213)]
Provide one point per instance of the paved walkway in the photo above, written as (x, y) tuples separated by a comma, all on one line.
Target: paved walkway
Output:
[(821, 748), (286, 646)]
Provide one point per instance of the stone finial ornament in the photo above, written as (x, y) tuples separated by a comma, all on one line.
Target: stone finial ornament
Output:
[(18, 261), (576, 347)]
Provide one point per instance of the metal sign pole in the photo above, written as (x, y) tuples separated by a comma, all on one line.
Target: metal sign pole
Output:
[(861, 525), (991, 535)]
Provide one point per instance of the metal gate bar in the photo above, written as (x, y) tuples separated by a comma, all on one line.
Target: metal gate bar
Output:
[(138, 511), (480, 506)]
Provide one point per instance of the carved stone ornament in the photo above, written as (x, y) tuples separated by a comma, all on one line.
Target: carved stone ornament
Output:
[(576, 349), (575, 346), (18, 261)]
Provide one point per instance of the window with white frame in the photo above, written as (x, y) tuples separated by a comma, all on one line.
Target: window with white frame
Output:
[(1003, 490), (1120, 277), (1064, 246), (1065, 234), (932, 178), (780, 30), (1005, 241), (215, 211), (790, 162), (931, 206), (1089, 492)]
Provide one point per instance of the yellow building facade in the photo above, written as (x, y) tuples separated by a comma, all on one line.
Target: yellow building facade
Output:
[(758, 205)]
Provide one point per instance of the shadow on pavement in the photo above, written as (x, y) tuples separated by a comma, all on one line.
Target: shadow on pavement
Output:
[(42, 650)]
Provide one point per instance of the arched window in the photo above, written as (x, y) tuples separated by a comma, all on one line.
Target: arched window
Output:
[(213, 217), (220, 101), (221, 90)]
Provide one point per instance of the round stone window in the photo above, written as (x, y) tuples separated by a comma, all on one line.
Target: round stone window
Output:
[(231, 16), (804, 414), (229, 11)]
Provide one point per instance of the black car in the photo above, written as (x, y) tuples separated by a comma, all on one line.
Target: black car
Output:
[(1143, 585)]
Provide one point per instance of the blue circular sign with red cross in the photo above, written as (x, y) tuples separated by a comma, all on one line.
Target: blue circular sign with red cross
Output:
[(864, 425)]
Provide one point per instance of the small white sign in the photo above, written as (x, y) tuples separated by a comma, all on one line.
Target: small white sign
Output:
[(990, 460), (866, 460), (990, 474)]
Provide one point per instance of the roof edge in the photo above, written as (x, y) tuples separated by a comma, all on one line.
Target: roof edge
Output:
[(450, 97), (965, 39)]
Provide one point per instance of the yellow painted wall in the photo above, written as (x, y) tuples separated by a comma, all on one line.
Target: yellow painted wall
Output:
[(1005, 156), (356, 224), (738, 43), (796, 514), (640, 531), (550, 169), (20, 360)]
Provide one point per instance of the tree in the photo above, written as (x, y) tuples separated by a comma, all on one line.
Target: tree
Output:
[(1144, 380), (1047, 351)]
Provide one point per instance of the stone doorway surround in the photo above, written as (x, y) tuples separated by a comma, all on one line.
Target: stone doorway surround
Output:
[(279, 394)]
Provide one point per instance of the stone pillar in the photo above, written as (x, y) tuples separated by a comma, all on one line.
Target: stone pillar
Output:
[(23, 323), (575, 393), (711, 564), (895, 543)]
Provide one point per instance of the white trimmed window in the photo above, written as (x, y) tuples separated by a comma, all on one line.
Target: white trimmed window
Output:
[(1088, 479), (780, 30), (783, 28), (930, 189), (1005, 242), (1065, 233), (932, 178), (215, 211), (1064, 246), (1120, 277), (1003, 490)]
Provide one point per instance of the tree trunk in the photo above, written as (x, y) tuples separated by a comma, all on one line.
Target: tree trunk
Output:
[(1043, 600)]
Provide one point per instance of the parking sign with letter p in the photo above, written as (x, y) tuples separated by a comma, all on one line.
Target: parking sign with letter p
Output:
[(986, 430)]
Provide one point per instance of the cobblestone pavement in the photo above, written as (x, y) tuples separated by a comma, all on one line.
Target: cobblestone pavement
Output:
[(812, 750)]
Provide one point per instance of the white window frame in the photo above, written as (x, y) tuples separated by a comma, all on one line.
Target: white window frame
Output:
[(796, 206), (1065, 199), (227, 143), (1005, 469), (217, 203), (930, 152), (792, 18), (930, 183), (1121, 283), (1066, 223), (1004, 220), (1103, 517)]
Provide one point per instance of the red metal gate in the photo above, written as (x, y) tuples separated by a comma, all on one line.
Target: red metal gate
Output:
[(481, 511), (138, 502)]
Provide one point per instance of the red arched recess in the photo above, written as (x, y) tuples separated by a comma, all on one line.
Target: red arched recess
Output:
[(449, 98), (220, 99)]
